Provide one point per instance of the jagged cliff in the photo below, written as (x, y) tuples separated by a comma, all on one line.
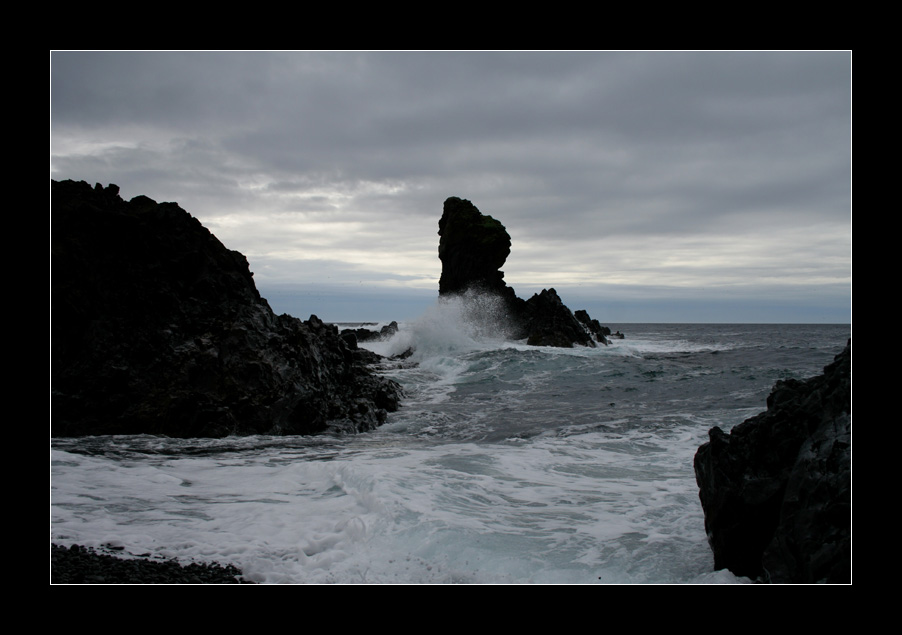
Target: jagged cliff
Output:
[(777, 490), (157, 328), (473, 247)]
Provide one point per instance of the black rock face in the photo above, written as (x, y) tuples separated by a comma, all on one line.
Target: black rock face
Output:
[(473, 247), (776, 491), (601, 332), (550, 323), (157, 328)]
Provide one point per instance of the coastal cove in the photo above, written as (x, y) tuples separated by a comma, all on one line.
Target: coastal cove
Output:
[(490, 440), (505, 463), (451, 317)]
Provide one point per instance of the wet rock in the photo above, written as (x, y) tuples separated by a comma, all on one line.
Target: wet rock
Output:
[(776, 490), (594, 326), (550, 323), (81, 565), (473, 247), (367, 335)]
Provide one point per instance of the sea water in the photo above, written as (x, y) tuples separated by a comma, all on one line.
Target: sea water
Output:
[(505, 464)]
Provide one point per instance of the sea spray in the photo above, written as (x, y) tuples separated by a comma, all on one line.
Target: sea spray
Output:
[(455, 324), (439, 346)]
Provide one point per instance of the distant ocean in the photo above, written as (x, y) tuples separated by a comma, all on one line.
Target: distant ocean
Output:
[(506, 464)]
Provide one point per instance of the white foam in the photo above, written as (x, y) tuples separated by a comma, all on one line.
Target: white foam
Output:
[(389, 508), (447, 331), (638, 347), (588, 493)]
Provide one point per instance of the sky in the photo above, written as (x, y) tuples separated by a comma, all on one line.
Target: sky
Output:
[(642, 186)]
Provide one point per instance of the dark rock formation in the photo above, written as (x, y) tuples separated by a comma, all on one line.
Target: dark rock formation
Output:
[(473, 248), (776, 491), (601, 332), (157, 328), (82, 565), (366, 335), (548, 322)]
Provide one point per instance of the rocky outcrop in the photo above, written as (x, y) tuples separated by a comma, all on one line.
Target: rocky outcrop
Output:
[(548, 322), (157, 328), (776, 490), (367, 335), (473, 247), (83, 565), (594, 326)]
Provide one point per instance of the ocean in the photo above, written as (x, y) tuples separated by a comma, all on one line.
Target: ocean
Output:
[(506, 464)]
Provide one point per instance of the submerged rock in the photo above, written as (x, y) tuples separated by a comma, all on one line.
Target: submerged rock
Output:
[(776, 491), (473, 247), (157, 328)]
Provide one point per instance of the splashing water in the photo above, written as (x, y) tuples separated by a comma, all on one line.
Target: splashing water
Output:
[(506, 463), (454, 325)]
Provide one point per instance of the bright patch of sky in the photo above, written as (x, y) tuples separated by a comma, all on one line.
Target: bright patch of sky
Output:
[(663, 186)]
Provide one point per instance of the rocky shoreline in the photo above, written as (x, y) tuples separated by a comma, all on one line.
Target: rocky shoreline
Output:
[(777, 490), (157, 328), (82, 565)]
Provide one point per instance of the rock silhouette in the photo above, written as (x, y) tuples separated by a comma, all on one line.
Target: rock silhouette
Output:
[(776, 490), (157, 328), (473, 247)]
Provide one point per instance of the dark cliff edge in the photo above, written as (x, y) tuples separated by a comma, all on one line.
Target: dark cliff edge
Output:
[(473, 247), (157, 328), (777, 490)]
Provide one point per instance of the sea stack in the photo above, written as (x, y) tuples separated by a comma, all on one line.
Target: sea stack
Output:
[(157, 328), (473, 247), (777, 490)]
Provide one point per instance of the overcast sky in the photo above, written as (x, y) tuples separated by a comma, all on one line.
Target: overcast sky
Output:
[(644, 187)]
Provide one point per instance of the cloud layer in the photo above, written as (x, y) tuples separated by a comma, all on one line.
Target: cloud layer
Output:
[(621, 177)]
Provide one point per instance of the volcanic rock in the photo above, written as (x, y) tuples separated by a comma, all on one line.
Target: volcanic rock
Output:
[(83, 565), (157, 328), (548, 322), (594, 326), (776, 490), (473, 247), (367, 335)]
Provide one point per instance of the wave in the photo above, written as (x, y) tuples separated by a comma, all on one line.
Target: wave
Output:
[(444, 339), (643, 347), (451, 328), (506, 463)]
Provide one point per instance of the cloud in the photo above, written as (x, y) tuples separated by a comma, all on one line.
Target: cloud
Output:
[(683, 169)]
